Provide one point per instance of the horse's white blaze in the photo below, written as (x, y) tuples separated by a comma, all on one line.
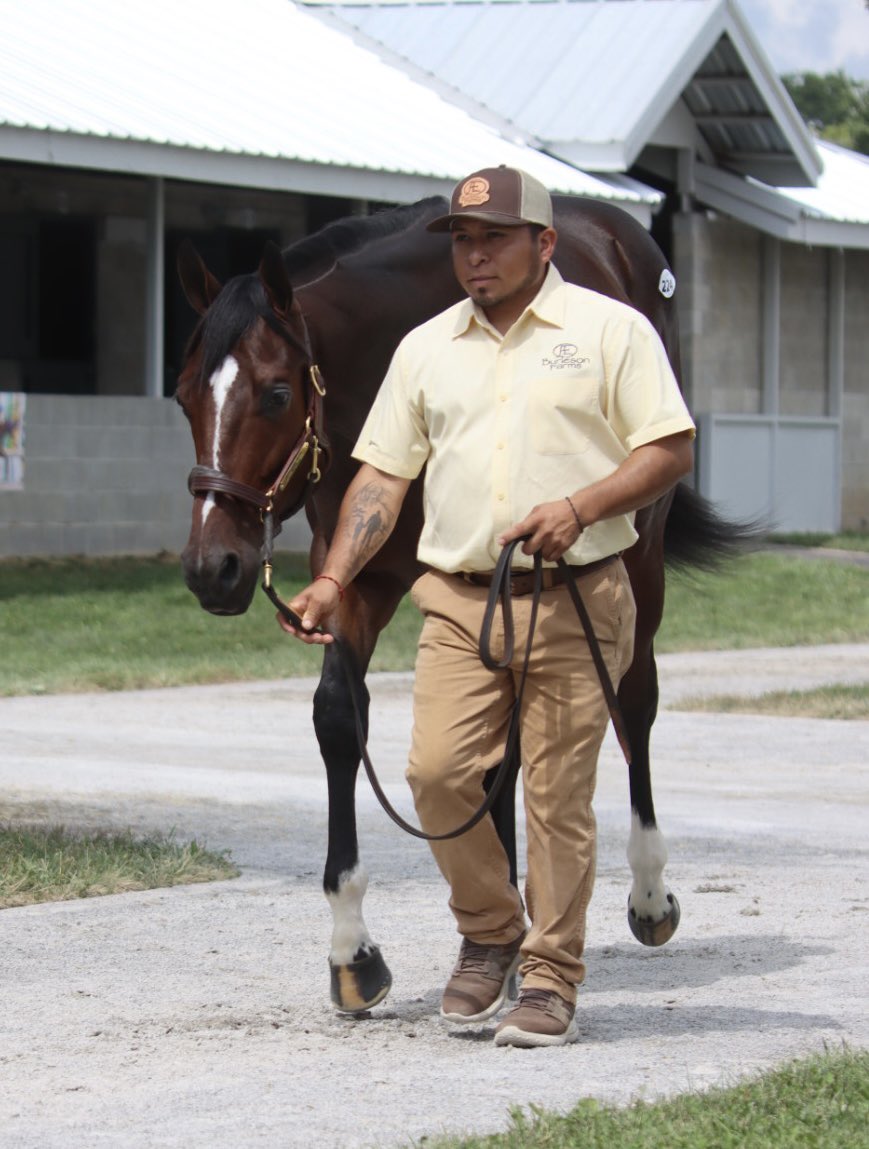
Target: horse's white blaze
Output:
[(349, 934), (647, 856), (221, 383)]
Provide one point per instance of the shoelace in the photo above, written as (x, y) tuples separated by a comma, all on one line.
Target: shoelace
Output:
[(473, 958), (537, 999)]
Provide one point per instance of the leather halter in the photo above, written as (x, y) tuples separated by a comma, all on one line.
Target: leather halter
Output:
[(312, 445)]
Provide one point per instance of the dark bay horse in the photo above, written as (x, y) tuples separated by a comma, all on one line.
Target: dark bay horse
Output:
[(325, 316)]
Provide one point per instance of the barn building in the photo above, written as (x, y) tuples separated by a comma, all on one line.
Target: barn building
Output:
[(125, 128)]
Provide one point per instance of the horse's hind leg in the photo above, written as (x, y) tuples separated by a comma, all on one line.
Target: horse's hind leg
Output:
[(653, 911), (360, 977)]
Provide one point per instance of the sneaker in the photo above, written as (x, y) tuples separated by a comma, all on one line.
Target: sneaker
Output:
[(480, 981), (540, 1017)]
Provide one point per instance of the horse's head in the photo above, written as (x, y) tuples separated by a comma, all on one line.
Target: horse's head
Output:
[(251, 394)]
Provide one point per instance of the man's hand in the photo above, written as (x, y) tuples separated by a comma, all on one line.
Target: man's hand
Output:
[(553, 528), (313, 605)]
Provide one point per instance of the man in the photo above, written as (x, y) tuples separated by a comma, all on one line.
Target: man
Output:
[(538, 408)]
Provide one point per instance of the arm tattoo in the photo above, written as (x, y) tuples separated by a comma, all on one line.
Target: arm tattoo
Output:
[(371, 521)]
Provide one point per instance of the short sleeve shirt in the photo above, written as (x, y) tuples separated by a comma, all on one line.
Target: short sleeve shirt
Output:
[(503, 423)]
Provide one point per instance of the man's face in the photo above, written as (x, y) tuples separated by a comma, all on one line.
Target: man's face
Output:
[(501, 268)]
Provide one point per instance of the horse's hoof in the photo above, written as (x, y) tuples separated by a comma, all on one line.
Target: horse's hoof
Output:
[(651, 933), (359, 985)]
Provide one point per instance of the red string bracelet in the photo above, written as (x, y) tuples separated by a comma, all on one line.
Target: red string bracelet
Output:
[(579, 525), (335, 581)]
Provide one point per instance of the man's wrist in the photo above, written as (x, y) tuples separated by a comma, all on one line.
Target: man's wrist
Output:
[(334, 581)]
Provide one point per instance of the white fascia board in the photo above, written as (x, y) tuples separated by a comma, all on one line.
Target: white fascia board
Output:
[(141, 158), (675, 83), (774, 94), (773, 213), (593, 157), (726, 20)]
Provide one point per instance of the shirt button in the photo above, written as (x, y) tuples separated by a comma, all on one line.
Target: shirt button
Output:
[(503, 398), (500, 446), (501, 498)]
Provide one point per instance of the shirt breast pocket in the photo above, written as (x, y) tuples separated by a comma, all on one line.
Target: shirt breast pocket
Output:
[(563, 411)]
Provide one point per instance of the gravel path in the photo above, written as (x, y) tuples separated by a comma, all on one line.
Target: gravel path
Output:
[(200, 1016)]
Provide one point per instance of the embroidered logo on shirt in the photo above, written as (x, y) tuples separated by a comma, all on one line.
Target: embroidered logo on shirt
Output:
[(474, 192), (564, 357)]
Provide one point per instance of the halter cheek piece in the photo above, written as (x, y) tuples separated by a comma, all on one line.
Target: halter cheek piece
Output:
[(311, 446)]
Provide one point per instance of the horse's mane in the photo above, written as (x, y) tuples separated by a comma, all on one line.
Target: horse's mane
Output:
[(318, 253), (242, 298)]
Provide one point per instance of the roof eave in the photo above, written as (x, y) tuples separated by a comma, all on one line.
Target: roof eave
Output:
[(772, 212), (802, 168), (199, 165)]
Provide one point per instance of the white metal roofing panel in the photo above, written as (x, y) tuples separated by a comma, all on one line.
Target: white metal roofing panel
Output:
[(842, 193), (833, 214), (601, 61), (592, 79), (258, 78)]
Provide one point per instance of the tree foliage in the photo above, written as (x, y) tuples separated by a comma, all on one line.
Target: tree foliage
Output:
[(833, 105)]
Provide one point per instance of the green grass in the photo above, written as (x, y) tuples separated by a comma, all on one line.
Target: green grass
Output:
[(118, 624), (51, 863), (819, 1103), (845, 541), (842, 703), (766, 599)]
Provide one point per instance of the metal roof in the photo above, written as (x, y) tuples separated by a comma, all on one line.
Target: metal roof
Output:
[(592, 79), (833, 214), (254, 93)]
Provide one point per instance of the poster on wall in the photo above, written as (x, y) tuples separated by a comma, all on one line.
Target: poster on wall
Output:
[(12, 404)]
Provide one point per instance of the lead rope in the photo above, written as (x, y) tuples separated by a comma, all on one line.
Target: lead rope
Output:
[(500, 588)]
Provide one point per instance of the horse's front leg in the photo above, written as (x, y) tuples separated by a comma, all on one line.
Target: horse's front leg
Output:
[(359, 975), (653, 911)]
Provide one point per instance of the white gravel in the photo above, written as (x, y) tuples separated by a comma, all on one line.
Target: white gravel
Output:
[(200, 1017)]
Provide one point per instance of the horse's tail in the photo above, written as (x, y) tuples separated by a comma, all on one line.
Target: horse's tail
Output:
[(696, 535)]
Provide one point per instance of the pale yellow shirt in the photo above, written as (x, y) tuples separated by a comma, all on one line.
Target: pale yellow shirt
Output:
[(503, 423)]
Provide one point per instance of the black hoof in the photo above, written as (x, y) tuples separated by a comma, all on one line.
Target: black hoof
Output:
[(361, 984), (651, 933)]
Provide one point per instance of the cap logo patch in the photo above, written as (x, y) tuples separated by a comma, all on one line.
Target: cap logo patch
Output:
[(475, 191)]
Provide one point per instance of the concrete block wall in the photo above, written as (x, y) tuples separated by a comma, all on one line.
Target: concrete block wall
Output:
[(719, 276), (804, 365), (105, 475)]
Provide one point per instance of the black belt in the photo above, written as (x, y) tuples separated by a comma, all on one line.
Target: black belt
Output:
[(522, 582)]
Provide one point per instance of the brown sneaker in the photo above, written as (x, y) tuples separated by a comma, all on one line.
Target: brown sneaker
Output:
[(540, 1017), (480, 981)]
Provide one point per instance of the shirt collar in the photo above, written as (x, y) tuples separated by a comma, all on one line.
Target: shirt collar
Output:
[(547, 306)]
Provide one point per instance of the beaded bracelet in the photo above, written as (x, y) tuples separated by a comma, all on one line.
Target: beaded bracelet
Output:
[(579, 525), (335, 581)]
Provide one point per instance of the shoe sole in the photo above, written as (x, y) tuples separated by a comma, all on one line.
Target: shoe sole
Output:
[(484, 1015), (526, 1039)]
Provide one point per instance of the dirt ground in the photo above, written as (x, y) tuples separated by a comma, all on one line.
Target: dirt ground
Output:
[(200, 1015)]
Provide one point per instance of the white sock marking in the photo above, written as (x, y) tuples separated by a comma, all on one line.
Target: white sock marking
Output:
[(647, 856), (349, 933)]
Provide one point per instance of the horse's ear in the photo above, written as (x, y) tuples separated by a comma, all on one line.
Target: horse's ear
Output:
[(200, 287), (273, 273)]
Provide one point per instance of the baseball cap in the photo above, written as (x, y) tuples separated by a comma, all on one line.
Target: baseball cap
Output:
[(498, 195)]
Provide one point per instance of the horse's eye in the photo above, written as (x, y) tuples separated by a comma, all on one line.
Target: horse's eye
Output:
[(276, 399)]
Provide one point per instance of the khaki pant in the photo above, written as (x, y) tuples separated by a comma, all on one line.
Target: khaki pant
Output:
[(461, 714)]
